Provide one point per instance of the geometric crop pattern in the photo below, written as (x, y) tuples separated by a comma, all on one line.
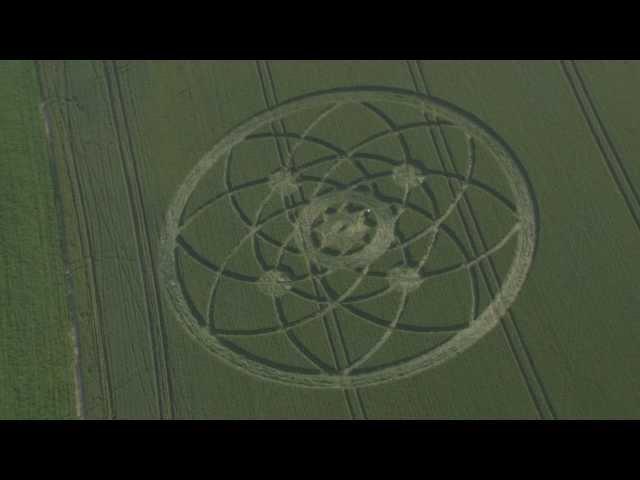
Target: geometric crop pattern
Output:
[(352, 228)]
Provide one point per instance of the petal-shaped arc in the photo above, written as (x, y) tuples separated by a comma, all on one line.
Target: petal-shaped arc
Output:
[(383, 339)]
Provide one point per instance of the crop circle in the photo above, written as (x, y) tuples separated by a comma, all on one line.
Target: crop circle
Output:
[(349, 229)]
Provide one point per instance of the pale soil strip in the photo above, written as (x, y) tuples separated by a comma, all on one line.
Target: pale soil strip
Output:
[(78, 387), (69, 284), (610, 156), (166, 400), (521, 354)]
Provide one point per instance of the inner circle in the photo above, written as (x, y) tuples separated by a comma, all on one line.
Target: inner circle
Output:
[(345, 229)]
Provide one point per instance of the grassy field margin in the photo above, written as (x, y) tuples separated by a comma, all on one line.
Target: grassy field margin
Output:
[(36, 334)]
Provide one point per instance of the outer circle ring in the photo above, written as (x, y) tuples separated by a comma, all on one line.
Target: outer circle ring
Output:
[(462, 340)]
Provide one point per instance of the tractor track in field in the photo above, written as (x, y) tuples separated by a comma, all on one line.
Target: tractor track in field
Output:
[(79, 210), (331, 325), (521, 353), (68, 279), (153, 302), (612, 160), (87, 242)]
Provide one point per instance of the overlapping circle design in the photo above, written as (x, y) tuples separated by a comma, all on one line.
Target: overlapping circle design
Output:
[(347, 226)]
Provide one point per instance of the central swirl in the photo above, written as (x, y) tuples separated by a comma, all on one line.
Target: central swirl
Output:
[(345, 229)]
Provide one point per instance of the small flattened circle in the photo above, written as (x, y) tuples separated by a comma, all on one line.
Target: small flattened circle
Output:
[(404, 279), (284, 182), (407, 176), (274, 283), (378, 244)]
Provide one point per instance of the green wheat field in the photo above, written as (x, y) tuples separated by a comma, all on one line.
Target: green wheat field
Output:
[(319, 240)]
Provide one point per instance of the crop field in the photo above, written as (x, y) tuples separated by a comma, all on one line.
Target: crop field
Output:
[(333, 239), (36, 337)]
